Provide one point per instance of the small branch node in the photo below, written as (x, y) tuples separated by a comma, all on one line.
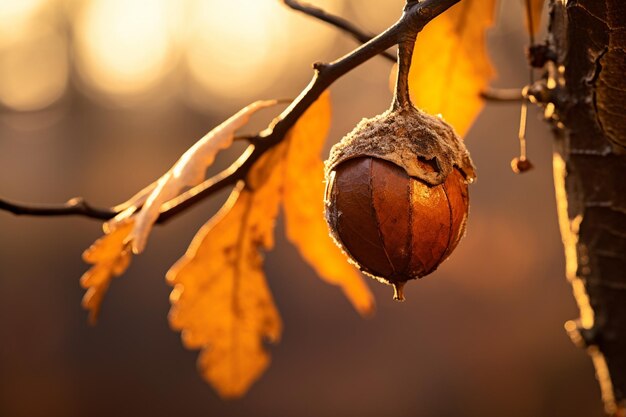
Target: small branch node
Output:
[(336, 21), (320, 66)]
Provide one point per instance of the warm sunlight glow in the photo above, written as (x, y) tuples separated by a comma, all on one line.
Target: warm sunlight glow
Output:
[(569, 235), (377, 18), (604, 378), (232, 43), (124, 45), (33, 70), (15, 16), (241, 48), (212, 51)]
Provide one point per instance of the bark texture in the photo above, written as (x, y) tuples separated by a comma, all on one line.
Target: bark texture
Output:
[(588, 85)]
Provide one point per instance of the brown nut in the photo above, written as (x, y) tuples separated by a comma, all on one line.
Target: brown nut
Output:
[(395, 226)]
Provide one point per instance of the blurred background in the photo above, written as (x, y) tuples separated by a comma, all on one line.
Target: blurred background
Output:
[(99, 97)]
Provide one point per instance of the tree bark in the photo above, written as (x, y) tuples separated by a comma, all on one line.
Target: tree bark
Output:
[(588, 90)]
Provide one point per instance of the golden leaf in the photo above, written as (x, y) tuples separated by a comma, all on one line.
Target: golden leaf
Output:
[(536, 9), (220, 300), (450, 66), (110, 257), (304, 206)]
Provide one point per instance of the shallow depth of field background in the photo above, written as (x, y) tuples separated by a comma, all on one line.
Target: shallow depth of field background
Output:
[(99, 97)]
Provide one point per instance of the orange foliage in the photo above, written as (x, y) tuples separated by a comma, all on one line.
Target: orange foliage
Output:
[(220, 300), (110, 256), (536, 7), (450, 66), (304, 207)]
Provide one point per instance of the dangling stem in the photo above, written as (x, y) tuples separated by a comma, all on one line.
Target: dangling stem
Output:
[(402, 97), (521, 134), (406, 44), (521, 164)]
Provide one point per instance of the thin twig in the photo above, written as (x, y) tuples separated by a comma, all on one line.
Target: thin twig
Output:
[(75, 206), (502, 94), (338, 22), (415, 17), (244, 138)]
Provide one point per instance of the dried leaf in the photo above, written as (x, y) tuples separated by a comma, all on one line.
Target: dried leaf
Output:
[(220, 300), (188, 171), (110, 257), (450, 66), (536, 9), (304, 206)]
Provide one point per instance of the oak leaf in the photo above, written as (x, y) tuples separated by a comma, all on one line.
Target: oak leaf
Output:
[(110, 257), (450, 66), (220, 300), (303, 205)]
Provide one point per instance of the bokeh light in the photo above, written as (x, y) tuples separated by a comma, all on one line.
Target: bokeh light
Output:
[(124, 45), (241, 48), (34, 61), (378, 18), (33, 70), (207, 52), (226, 57), (16, 17)]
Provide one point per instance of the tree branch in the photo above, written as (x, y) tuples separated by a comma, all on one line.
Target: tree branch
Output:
[(416, 15), (335, 21), (75, 206)]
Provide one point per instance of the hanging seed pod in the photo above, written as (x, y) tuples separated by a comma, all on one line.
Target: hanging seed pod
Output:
[(396, 194)]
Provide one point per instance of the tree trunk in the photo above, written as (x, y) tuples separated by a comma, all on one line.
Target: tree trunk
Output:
[(588, 85)]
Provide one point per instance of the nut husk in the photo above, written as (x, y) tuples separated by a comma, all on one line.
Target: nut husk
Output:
[(403, 137)]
